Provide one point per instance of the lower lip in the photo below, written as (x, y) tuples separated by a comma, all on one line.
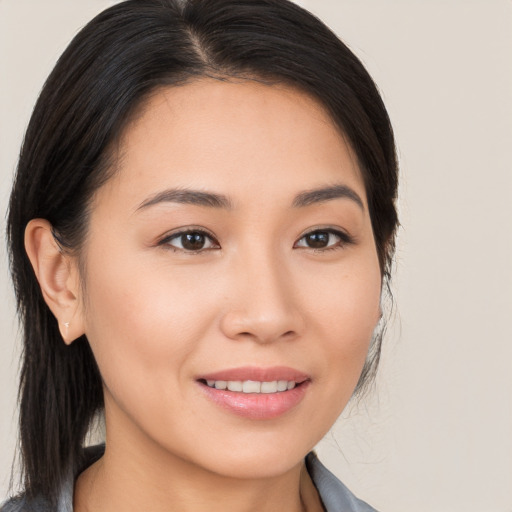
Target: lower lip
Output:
[(257, 406)]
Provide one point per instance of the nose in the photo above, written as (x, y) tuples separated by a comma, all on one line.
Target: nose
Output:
[(263, 303)]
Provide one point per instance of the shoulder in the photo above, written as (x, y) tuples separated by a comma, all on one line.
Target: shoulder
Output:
[(21, 504), (65, 498), (335, 496)]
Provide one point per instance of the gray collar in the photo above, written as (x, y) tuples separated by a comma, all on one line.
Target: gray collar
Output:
[(334, 495)]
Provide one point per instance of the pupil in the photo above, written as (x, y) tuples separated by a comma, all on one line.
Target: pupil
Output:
[(318, 240), (193, 241)]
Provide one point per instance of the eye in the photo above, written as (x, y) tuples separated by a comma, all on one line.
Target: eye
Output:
[(190, 241), (324, 239)]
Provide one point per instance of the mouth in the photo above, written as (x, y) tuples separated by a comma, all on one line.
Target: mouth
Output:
[(256, 393), (252, 386)]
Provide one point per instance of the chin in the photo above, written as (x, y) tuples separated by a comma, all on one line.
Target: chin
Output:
[(258, 458), (257, 466)]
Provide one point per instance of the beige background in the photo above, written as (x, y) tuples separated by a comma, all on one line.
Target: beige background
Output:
[(436, 435)]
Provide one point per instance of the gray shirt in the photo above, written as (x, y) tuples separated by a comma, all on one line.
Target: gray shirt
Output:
[(334, 495)]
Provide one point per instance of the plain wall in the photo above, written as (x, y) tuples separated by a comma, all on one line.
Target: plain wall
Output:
[(436, 434)]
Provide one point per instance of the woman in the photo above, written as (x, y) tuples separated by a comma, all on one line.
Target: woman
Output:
[(200, 229)]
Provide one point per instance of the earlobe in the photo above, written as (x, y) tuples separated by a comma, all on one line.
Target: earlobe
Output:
[(57, 274)]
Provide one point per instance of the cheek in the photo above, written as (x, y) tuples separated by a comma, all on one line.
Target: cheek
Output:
[(346, 300), (346, 311), (144, 321)]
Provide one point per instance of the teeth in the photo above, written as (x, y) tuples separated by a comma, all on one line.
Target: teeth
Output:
[(252, 386), (269, 387), (235, 385), (282, 385)]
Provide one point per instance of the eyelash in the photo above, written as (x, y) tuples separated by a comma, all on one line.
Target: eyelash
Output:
[(166, 241), (344, 240)]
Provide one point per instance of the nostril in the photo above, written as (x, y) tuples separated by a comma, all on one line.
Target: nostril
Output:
[(261, 325), (248, 334)]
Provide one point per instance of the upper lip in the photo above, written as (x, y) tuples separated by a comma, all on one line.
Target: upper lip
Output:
[(269, 374)]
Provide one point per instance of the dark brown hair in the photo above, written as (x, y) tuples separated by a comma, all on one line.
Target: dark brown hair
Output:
[(108, 70)]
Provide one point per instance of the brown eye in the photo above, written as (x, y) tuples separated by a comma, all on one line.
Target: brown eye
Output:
[(324, 239), (318, 239), (193, 241)]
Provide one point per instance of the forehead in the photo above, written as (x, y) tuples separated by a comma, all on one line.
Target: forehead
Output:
[(235, 135)]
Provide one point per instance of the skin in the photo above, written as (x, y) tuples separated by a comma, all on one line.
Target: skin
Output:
[(257, 294)]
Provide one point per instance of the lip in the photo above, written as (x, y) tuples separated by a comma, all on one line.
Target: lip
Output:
[(256, 406), (255, 373)]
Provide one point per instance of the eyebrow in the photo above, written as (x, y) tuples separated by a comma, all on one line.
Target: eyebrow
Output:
[(187, 196), (323, 194), (214, 200)]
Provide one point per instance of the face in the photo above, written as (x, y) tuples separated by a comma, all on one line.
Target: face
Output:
[(234, 248)]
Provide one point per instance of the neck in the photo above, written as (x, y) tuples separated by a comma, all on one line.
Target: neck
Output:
[(130, 481)]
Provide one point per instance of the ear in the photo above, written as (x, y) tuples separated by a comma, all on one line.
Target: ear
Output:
[(58, 277)]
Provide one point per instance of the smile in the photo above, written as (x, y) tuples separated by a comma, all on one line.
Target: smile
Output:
[(252, 386), (256, 393)]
